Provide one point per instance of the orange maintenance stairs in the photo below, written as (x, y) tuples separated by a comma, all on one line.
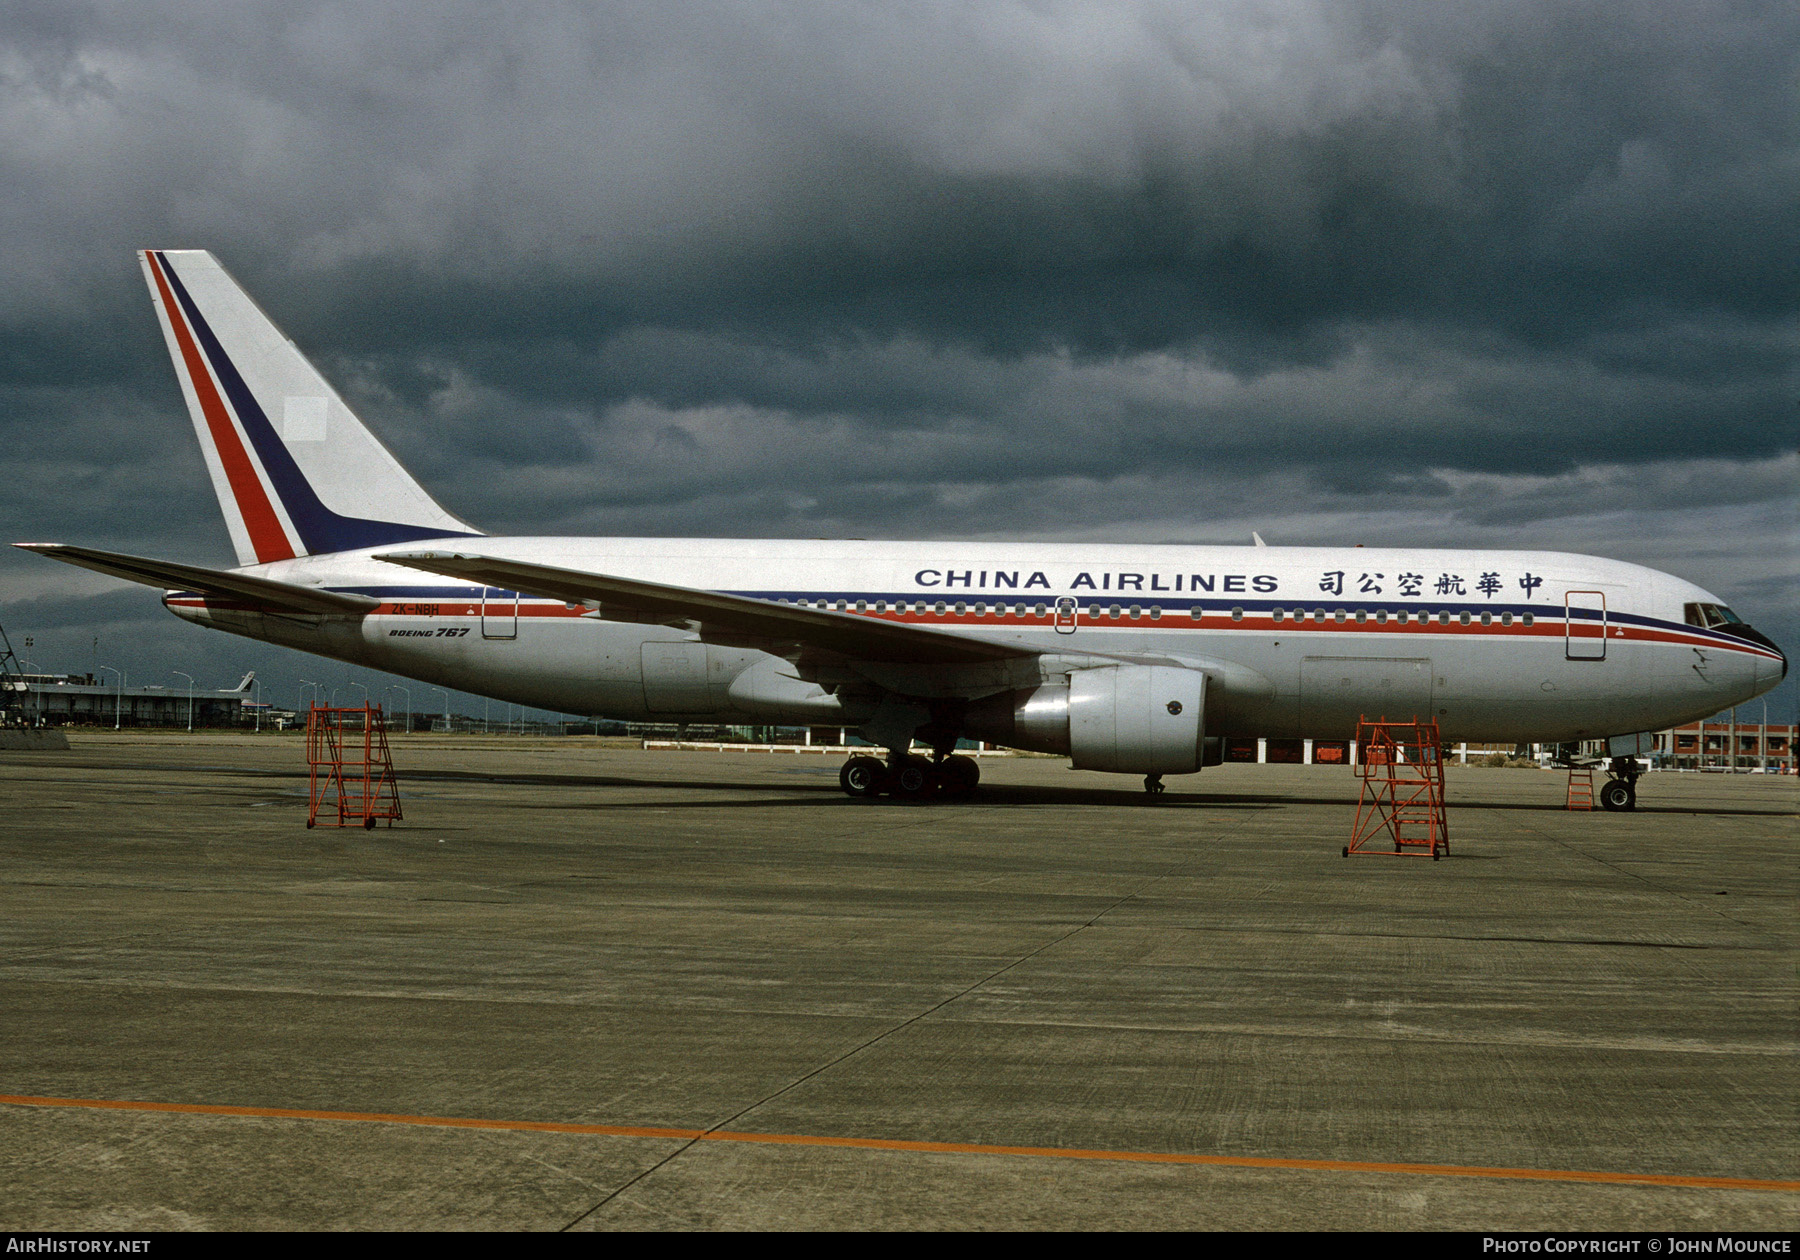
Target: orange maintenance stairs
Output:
[(1401, 812), (351, 770)]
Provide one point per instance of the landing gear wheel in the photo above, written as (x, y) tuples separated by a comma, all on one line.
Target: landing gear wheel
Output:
[(1617, 795), (1153, 784), (862, 776), (913, 780), (957, 776), (369, 823)]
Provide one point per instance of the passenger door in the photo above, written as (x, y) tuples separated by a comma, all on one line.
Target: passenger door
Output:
[(1584, 625)]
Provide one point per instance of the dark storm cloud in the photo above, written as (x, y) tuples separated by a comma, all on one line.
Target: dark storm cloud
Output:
[(1523, 273)]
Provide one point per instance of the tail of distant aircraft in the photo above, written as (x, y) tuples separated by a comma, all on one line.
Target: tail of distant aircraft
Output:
[(296, 472)]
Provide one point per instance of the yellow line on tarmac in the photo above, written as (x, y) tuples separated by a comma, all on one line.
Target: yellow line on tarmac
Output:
[(925, 1148)]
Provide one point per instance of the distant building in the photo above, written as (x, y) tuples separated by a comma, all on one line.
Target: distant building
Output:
[(1726, 745), (84, 700)]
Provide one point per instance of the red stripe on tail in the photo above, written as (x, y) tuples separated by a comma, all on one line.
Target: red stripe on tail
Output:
[(266, 533)]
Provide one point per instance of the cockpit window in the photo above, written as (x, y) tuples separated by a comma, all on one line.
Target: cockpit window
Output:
[(1709, 615)]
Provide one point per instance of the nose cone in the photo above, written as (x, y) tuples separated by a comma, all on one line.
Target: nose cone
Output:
[(1771, 663), (1769, 672)]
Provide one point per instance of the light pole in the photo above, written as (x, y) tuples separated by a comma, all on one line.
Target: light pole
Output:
[(408, 691), (1762, 740), (365, 692), (190, 679), (257, 683), (118, 694), (446, 696), (37, 702), (307, 682)]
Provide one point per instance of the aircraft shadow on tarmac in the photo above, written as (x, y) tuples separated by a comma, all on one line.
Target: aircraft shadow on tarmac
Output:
[(991, 795)]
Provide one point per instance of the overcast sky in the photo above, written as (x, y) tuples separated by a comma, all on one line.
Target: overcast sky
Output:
[(1450, 273)]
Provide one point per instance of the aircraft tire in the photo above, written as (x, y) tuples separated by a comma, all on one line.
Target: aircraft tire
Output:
[(862, 776), (1617, 795), (914, 780)]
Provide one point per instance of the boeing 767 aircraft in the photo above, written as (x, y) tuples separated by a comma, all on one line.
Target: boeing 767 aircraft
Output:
[(1133, 659)]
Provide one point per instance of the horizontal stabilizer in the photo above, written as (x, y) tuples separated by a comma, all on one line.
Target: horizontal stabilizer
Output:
[(259, 592), (851, 634)]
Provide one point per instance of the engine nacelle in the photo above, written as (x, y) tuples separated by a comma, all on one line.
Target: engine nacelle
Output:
[(1134, 719)]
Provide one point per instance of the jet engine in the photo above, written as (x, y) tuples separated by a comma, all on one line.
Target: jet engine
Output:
[(1135, 719)]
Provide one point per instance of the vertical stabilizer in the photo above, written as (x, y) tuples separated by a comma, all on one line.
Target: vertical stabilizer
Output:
[(296, 472)]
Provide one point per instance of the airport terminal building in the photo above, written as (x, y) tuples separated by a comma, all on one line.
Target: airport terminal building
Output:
[(84, 700)]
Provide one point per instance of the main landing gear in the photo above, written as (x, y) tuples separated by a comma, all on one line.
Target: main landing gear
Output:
[(1620, 791), (1153, 784), (909, 777)]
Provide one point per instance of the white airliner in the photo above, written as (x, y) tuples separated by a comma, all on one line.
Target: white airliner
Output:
[(1135, 659)]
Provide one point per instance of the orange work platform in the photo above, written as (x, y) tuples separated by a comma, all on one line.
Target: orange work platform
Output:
[(1401, 813), (352, 772), (1581, 788)]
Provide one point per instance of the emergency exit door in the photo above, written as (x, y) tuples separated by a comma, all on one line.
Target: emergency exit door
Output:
[(499, 613)]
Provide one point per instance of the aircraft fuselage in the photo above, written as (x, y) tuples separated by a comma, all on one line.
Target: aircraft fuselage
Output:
[(1298, 642)]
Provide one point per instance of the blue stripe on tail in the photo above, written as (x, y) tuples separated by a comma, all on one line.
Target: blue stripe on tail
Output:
[(321, 530)]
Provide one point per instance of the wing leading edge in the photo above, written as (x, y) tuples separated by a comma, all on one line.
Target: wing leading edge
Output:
[(849, 634)]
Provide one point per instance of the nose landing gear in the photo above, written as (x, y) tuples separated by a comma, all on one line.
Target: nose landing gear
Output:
[(1620, 792)]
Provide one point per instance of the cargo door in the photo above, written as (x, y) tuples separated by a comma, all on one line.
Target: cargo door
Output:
[(1337, 690)]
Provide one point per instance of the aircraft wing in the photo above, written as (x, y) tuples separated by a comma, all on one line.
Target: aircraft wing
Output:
[(259, 592), (850, 634)]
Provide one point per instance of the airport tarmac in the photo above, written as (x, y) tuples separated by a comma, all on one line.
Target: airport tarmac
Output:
[(699, 990)]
